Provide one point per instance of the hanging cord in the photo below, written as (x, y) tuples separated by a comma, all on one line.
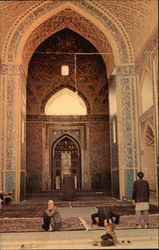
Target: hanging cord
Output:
[(75, 62)]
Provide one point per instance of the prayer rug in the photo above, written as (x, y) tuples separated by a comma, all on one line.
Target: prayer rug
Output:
[(35, 224), (126, 222)]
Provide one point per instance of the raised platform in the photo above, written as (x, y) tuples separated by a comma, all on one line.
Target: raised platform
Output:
[(35, 209), (59, 196), (27, 216)]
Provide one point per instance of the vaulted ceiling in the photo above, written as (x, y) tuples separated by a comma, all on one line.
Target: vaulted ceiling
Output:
[(138, 17)]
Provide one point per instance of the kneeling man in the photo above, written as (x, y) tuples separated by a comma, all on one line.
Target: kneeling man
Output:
[(104, 213)]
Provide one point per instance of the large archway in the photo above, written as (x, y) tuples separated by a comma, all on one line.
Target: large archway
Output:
[(86, 83), (24, 38)]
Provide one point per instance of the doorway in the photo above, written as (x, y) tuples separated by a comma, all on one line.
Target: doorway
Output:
[(66, 159)]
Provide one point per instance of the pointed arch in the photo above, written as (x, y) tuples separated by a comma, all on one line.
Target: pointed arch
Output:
[(38, 14), (148, 136), (66, 159), (66, 136), (148, 159), (65, 102), (71, 90)]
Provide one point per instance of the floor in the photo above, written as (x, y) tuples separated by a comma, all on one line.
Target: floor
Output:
[(83, 239)]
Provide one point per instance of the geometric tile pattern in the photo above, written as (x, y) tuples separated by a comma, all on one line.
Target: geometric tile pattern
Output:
[(129, 22), (149, 137), (86, 72), (135, 16), (10, 181)]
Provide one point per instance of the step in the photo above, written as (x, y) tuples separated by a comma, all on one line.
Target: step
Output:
[(74, 241)]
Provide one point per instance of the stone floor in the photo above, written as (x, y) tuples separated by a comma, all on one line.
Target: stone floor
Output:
[(30, 216), (140, 239), (81, 239)]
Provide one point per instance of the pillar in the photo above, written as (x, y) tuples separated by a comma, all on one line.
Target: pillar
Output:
[(127, 128), (10, 129)]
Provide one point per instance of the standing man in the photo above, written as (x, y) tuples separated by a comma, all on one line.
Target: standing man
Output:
[(140, 198)]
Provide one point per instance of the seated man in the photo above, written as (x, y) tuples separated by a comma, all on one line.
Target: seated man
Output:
[(109, 238), (6, 198), (51, 218), (1, 195), (104, 213)]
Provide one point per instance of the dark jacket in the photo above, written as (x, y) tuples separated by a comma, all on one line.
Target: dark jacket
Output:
[(106, 213), (1, 196), (108, 239), (141, 191), (57, 222), (54, 213)]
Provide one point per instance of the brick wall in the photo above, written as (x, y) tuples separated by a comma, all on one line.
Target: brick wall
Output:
[(99, 143), (34, 157)]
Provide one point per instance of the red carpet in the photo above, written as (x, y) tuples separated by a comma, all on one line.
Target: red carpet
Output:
[(34, 224)]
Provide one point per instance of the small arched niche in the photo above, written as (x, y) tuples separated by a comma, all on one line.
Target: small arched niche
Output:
[(65, 102), (146, 92), (148, 160)]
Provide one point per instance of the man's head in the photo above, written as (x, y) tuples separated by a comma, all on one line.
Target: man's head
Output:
[(140, 175), (50, 204)]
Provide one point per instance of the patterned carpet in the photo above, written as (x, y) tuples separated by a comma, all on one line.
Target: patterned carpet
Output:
[(126, 222), (36, 210), (34, 224), (28, 217), (68, 224), (26, 210)]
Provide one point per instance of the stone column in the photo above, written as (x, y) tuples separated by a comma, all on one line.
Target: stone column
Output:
[(10, 129), (43, 156), (127, 127)]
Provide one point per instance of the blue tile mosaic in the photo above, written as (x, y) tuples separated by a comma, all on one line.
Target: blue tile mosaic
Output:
[(129, 183)]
